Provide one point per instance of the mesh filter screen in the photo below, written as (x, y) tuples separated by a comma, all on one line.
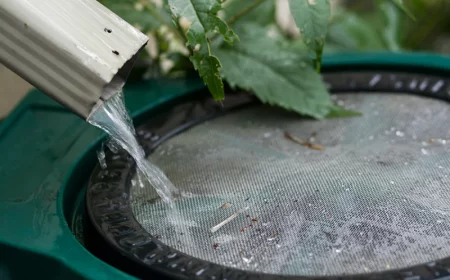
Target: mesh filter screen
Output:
[(376, 198)]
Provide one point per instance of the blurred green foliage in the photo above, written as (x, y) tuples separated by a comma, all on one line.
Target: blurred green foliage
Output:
[(246, 44), (379, 25)]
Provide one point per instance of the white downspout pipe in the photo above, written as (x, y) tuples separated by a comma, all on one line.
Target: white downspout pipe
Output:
[(76, 51)]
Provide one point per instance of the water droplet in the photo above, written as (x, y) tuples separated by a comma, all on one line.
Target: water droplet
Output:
[(399, 133), (392, 182), (267, 134), (101, 157), (198, 273), (424, 151), (338, 250), (347, 189), (147, 135), (439, 221), (171, 256), (247, 259), (375, 80), (113, 146)]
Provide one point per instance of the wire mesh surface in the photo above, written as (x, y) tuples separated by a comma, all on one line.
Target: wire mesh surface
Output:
[(376, 198)]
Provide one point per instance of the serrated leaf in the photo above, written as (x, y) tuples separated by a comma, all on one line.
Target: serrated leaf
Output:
[(311, 17), (277, 75), (402, 6), (209, 69), (202, 15)]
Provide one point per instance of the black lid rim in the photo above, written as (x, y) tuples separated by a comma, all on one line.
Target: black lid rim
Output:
[(108, 192)]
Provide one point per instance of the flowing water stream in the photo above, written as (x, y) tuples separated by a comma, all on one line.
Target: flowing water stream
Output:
[(113, 118)]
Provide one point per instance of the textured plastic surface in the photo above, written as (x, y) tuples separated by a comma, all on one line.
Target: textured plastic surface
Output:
[(41, 143), (48, 156)]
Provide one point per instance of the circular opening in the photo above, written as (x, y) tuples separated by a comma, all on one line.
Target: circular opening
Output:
[(330, 197), (359, 195)]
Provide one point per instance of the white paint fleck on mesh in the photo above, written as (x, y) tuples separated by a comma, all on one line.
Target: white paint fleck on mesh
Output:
[(315, 212)]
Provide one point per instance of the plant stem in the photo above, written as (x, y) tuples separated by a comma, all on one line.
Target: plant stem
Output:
[(317, 62), (239, 15), (245, 11)]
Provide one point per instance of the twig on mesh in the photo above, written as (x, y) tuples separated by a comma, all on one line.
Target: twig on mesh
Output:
[(227, 220), (303, 142)]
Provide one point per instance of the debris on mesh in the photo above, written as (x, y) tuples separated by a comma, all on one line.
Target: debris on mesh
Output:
[(225, 205), (307, 144), (375, 198), (227, 220)]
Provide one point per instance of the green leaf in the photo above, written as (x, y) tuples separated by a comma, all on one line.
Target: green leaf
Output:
[(263, 14), (276, 74), (391, 30), (402, 6), (136, 14), (352, 32), (380, 30), (339, 112), (209, 68), (311, 17), (202, 15)]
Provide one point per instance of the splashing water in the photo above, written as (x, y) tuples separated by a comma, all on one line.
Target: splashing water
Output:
[(101, 156), (114, 119)]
